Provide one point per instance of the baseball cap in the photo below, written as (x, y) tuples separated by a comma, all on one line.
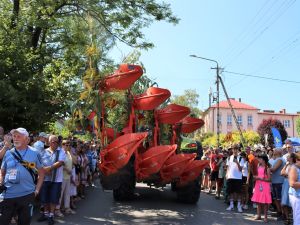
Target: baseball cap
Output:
[(20, 130), (43, 134)]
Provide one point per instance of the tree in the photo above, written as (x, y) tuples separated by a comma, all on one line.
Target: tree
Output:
[(43, 48), (251, 138), (298, 126), (265, 128), (190, 99)]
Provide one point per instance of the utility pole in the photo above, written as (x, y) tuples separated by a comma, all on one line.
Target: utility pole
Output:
[(232, 111), (218, 104), (218, 81), (218, 95)]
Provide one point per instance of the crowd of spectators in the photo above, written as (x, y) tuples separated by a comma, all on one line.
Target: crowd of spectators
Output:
[(64, 168), (266, 179)]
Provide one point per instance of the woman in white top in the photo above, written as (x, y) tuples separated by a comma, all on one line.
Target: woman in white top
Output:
[(245, 180)]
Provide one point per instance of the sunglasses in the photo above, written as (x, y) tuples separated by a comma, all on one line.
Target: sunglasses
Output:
[(54, 142), (66, 144)]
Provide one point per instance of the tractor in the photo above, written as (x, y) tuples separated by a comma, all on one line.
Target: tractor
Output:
[(139, 153)]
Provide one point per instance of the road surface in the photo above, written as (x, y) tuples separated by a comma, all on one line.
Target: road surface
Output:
[(153, 206)]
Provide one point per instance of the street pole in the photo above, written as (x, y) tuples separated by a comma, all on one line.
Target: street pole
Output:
[(218, 94), (218, 107)]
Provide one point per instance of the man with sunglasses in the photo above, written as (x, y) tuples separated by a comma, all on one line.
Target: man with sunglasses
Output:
[(53, 158)]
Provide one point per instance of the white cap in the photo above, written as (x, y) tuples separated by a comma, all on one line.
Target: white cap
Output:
[(20, 130)]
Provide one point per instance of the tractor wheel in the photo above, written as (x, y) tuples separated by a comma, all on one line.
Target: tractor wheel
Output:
[(190, 193), (126, 188)]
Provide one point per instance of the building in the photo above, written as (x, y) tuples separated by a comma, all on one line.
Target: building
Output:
[(248, 117)]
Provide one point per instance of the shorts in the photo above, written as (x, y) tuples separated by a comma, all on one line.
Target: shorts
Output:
[(214, 175), (50, 192), (234, 186), (244, 180), (276, 191), (206, 171)]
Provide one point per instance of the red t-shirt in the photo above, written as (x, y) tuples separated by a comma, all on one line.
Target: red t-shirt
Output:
[(214, 162)]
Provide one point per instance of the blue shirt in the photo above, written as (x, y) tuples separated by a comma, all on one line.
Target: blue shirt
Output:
[(48, 159), (276, 176), (23, 183), (293, 191)]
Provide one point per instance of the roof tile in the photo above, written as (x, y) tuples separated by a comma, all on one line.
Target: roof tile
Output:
[(235, 104)]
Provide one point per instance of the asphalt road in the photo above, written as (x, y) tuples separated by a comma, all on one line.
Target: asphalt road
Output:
[(153, 206)]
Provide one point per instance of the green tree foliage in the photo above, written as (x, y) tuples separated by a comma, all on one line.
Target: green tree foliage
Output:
[(190, 98), (265, 128), (43, 48), (251, 138), (298, 126)]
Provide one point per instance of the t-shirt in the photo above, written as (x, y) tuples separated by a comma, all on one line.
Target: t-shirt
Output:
[(214, 158), (17, 178), (276, 176), (48, 159), (245, 169), (68, 165), (233, 171), (39, 146)]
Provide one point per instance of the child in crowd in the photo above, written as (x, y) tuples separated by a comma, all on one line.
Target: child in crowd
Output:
[(262, 189)]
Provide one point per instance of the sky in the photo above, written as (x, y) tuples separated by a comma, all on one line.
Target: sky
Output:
[(257, 37)]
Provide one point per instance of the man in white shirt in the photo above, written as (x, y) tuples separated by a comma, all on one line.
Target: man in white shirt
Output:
[(234, 176)]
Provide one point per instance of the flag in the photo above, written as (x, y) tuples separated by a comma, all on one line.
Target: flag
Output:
[(277, 137)]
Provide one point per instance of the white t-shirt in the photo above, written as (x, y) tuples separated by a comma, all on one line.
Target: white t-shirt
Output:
[(245, 169), (233, 171)]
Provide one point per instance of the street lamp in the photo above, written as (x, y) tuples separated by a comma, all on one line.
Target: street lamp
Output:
[(218, 95)]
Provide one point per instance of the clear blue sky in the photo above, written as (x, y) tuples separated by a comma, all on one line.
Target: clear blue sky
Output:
[(259, 37)]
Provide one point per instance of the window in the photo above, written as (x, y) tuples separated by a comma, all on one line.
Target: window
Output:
[(287, 123), (250, 120), (220, 119), (240, 120), (229, 120)]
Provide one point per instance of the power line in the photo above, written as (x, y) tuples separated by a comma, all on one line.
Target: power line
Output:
[(262, 77), (267, 24), (243, 34)]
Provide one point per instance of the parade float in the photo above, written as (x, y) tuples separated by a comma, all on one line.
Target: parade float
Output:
[(139, 153)]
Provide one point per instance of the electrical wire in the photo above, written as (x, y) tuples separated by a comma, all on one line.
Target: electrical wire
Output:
[(267, 24), (262, 77), (245, 31)]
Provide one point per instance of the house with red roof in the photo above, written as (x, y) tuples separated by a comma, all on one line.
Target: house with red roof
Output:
[(248, 117)]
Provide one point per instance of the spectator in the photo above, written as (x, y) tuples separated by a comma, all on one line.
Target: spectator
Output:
[(1, 134), (294, 190), (206, 171), (215, 160), (67, 171), (222, 172), (245, 180), (285, 203), (39, 145), (277, 164), (54, 158), (18, 179), (6, 145), (235, 164), (262, 192), (289, 149)]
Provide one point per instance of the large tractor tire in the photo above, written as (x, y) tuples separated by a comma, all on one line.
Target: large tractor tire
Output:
[(190, 193), (126, 187)]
